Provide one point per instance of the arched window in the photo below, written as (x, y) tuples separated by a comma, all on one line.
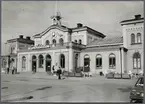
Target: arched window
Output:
[(23, 62), (86, 63), (34, 58), (12, 60), (61, 41), (112, 61), (80, 41), (12, 50), (75, 41), (62, 60), (132, 38), (40, 61), (138, 37), (98, 61), (54, 42), (136, 60), (47, 42)]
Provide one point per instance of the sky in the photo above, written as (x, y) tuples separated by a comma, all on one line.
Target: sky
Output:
[(32, 17)]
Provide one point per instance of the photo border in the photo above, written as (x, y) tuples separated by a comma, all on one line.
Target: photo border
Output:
[(71, 102)]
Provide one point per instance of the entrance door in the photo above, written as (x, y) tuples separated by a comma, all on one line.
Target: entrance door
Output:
[(48, 63), (34, 63), (76, 62), (86, 63)]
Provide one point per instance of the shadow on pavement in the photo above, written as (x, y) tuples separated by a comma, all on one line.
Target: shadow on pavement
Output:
[(127, 89), (19, 99), (4, 88), (44, 88)]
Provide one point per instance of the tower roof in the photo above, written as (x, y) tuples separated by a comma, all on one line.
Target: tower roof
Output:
[(137, 19)]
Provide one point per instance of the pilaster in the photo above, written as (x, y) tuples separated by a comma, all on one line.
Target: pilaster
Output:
[(71, 58)]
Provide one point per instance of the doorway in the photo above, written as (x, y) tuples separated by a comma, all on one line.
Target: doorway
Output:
[(34, 63), (86, 63), (76, 62), (48, 63)]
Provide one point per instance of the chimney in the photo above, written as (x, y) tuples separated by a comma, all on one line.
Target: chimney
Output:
[(79, 25), (28, 37), (21, 36), (137, 16)]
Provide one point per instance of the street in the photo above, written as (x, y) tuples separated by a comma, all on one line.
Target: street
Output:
[(95, 89)]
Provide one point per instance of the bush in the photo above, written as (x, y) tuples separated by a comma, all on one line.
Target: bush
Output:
[(110, 74), (126, 76), (117, 76), (71, 74), (65, 73), (125, 71)]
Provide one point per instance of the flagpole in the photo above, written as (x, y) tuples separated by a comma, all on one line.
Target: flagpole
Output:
[(56, 7)]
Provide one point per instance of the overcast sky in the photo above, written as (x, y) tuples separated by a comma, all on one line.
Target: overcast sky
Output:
[(32, 17)]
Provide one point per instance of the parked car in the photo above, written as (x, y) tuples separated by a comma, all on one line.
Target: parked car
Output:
[(137, 92)]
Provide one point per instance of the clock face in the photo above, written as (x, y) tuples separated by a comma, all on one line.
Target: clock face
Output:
[(53, 34)]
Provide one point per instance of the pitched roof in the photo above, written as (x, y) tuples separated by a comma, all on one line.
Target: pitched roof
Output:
[(130, 20), (90, 30), (95, 49), (60, 27), (22, 40), (106, 41), (64, 28)]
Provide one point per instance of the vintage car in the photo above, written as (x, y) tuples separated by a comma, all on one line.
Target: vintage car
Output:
[(137, 92)]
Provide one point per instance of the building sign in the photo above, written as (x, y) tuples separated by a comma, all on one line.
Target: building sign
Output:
[(39, 46)]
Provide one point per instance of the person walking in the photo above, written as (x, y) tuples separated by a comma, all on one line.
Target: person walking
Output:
[(53, 69), (34, 69), (59, 72), (13, 69), (7, 69)]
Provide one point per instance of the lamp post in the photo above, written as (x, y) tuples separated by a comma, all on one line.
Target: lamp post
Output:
[(121, 61)]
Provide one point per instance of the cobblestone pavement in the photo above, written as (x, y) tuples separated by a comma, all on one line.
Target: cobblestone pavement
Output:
[(34, 88)]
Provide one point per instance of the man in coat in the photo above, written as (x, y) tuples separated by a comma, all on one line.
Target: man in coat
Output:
[(59, 72)]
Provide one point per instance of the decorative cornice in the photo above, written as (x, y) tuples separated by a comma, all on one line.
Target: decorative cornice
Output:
[(70, 30), (61, 28), (132, 22), (104, 45)]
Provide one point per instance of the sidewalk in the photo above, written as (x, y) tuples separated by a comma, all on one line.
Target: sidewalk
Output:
[(43, 75)]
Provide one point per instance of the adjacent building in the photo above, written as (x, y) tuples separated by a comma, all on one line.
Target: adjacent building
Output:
[(14, 45)]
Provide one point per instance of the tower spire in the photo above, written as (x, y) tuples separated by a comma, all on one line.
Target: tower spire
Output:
[(56, 7), (57, 16)]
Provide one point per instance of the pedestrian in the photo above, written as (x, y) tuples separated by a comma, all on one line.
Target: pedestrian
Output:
[(53, 68), (59, 72), (7, 69), (130, 74), (34, 69), (13, 69)]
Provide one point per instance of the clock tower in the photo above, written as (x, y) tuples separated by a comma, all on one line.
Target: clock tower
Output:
[(56, 19)]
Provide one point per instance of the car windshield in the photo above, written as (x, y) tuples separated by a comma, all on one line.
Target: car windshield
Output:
[(140, 82)]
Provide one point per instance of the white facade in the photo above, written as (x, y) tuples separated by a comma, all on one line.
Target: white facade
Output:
[(134, 27), (71, 48)]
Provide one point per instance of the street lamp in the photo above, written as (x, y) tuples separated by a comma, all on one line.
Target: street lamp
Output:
[(121, 61)]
